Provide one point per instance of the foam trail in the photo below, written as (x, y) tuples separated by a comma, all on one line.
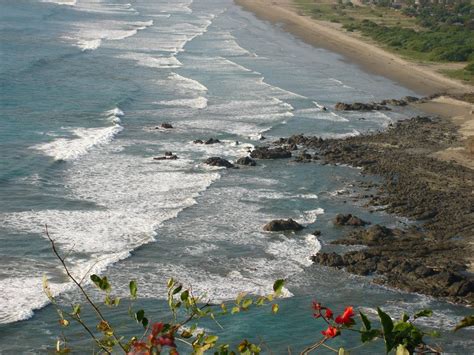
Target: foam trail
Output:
[(114, 115), (197, 103), (187, 83), (87, 138)]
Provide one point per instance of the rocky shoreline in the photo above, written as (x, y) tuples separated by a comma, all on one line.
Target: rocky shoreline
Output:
[(431, 257)]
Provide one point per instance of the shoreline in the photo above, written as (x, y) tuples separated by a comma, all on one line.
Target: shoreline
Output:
[(432, 256), (371, 58)]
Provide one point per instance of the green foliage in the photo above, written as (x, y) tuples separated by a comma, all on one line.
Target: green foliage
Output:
[(444, 44)]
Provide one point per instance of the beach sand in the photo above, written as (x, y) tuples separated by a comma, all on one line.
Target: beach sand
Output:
[(421, 78)]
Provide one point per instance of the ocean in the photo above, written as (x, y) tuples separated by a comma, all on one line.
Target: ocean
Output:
[(84, 88)]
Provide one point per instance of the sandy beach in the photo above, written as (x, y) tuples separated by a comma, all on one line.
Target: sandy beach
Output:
[(421, 78), (418, 77), (457, 120)]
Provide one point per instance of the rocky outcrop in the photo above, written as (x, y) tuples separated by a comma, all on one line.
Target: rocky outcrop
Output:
[(209, 141), (246, 161), (433, 257), (359, 106), (349, 220), (217, 161), (280, 225), (166, 125), (270, 153), (167, 156)]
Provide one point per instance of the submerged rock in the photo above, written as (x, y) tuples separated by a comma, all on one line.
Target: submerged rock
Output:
[(279, 225), (246, 161), (217, 161)]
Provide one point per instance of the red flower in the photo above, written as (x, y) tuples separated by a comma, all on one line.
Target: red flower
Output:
[(157, 328), (328, 313), (167, 341), (346, 317), (316, 306), (331, 332)]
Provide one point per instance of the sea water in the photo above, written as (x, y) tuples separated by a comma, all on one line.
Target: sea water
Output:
[(84, 86)]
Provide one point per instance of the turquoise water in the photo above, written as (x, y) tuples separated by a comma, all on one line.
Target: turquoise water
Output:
[(83, 86)]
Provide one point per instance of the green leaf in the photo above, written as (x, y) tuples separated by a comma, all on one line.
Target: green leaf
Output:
[(275, 308), (177, 289), (211, 339), (96, 280), (465, 322), (387, 325), (423, 313), (170, 283), (240, 297), (140, 315), (133, 289), (186, 334), (184, 295), (235, 310), (401, 350), (369, 335), (342, 351), (246, 303), (366, 321), (405, 317), (145, 322), (76, 309), (278, 286)]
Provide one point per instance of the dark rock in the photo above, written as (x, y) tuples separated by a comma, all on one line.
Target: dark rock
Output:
[(317, 233), (349, 220), (246, 161), (410, 99), (212, 141), (267, 153), (217, 161), (166, 125), (359, 106), (198, 141), (328, 259), (279, 225)]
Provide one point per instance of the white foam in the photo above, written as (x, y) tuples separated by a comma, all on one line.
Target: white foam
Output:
[(352, 133), (196, 103), (296, 249), (87, 138), (89, 36), (89, 45), (61, 2), (114, 115), (310, 216), (150, 61), (187, 83), (133, 197)]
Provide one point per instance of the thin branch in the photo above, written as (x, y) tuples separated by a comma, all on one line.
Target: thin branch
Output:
[(96, 309), (314, 346)]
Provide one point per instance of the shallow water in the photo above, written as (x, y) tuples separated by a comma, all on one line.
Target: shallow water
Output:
[(83, 86)]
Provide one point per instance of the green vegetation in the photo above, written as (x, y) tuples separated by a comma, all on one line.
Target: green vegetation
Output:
[(180, 329), (431, 33)]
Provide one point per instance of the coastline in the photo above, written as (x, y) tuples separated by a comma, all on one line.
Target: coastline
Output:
[(371, 58), (433, 157)]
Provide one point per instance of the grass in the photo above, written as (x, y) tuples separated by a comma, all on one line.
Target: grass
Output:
[(398, 33)]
